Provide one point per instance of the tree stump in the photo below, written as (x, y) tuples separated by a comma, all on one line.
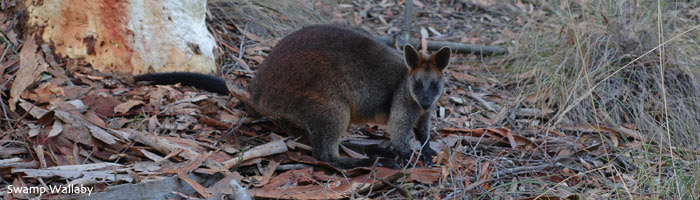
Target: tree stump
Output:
[(129, 36)]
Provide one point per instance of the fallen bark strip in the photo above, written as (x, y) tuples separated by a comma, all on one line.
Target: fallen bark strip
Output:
[(71, 174), (85, 167), (456, 47), (275, 147), (163, 145), (149, 189), (9, 161), (197, 187)]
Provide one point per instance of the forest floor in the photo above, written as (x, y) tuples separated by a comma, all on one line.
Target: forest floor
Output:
[(594, 100)]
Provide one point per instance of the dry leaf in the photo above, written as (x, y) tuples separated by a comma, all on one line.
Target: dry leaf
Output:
[(33, 130), (101, 134), (257, 59), (462, 77), (352, 153), (126, 106), (213, 122), (191, 166), (269, 171), (19, 195), (31, 67), (34, 111), (96, 131), (485, 172), (299, 187), (93, 118), (44, 93), (56, 129), (424, 175), (104, 106), (504, 135)]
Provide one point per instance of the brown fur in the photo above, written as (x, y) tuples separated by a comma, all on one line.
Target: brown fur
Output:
[(325, 77)]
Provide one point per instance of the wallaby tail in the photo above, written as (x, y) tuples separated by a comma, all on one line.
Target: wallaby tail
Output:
[(202, 81)]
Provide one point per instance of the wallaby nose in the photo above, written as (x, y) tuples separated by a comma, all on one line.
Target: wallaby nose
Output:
[(426, 105)]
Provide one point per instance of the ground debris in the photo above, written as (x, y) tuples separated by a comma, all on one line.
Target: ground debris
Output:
[(494, 131)]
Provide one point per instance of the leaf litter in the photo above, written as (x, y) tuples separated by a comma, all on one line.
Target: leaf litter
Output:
[(87, 128)]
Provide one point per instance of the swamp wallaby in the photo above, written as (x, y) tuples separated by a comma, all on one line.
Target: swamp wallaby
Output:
[(321, 78), (324, 77)]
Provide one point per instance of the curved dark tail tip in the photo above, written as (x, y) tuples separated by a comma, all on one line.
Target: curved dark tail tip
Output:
[(202, 81)]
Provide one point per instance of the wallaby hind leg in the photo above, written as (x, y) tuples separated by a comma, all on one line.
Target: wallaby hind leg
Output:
[(327, 130)]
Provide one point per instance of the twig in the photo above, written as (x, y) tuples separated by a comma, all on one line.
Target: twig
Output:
[(524, 168), (478, 183), (4, 53), (23, 116), (184, 196), (233, 130), (13, 22), (4, 111), (373, 174), (481, 100), (287, 167), (401, 191), (242, 50)]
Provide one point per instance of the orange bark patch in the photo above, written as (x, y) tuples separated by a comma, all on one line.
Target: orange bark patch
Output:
[(93, 30)]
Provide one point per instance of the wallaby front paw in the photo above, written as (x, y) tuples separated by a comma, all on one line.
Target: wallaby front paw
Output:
[(404, 156), (427, 154)]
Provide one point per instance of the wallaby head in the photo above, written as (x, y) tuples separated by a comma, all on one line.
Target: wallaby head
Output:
[(425, 81)]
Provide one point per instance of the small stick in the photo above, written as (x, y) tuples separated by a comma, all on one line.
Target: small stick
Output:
[(523, 168), (242, 50), (478, 183), (233, 130), (401, 191), (481, 100)]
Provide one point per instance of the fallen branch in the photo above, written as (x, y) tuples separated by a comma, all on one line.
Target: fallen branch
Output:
[(163, 145), (85, 167), (9, 161), (149, 189), (70, 174), (456, 47), (275, 147)]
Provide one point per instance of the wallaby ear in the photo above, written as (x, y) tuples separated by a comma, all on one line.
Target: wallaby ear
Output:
[(411, 56), (442, 57)]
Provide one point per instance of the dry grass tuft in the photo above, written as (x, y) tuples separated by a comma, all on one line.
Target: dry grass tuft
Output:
[(267, 17), (621, 64), (240, 26)]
